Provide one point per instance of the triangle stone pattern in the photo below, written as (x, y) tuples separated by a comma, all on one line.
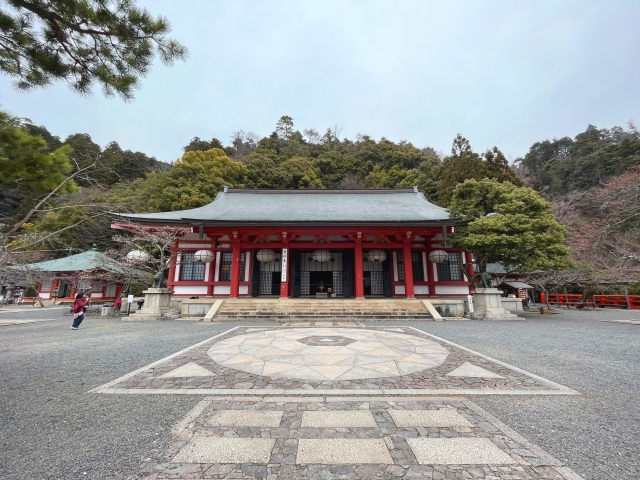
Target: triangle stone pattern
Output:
[(470, 370), (189, 370), (284, 353)]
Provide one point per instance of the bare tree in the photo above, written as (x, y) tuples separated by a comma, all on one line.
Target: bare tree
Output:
[(17, 246), (584, 276), (154, 243), (431, 152), (605, 226), (312, 136), (566, 208), (351, 181), (244, 143)]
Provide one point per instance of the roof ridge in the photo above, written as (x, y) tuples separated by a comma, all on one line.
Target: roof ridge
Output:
[(322, 191)]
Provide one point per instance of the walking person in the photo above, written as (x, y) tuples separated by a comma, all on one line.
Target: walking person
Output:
[(78, 309)]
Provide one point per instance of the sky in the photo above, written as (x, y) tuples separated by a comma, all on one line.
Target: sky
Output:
[(501, 73)]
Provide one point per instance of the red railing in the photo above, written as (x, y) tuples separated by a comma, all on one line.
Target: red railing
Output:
[(562, 298), (619, 301), (601, 301)]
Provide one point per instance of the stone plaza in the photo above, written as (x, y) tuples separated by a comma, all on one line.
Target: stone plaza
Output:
[(553, 397)]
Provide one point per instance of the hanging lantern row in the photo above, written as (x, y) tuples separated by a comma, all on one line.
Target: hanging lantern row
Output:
[(321, 255), (204, 256), (438, 256), (266, 255), (137, 256), (377, 255)]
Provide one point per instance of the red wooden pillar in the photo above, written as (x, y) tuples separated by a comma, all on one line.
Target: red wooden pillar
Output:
[(359, 272), (235, 270), (284, 274), (469, 259), (408, 270)]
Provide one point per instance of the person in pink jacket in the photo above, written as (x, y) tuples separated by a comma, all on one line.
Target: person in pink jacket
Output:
[(78, 310)]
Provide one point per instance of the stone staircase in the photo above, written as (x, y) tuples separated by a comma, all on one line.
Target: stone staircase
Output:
[(312, 310)]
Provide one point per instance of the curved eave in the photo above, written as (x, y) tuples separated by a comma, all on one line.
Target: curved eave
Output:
[(225, 223)]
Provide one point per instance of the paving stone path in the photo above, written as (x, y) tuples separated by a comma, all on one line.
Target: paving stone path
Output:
[(324, 402), (427, 438)]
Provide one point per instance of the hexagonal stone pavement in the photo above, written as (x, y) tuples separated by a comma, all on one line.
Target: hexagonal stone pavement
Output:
[(319, 354), (330, 361)]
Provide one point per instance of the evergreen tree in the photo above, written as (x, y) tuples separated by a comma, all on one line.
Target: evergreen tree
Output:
[(111, 42), (197, 145), (508, 224)]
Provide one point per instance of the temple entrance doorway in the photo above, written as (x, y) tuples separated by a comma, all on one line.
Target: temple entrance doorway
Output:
[(373, 280), (266, 275), (320, 282), (64, 289), (269, 283), (311, 276)]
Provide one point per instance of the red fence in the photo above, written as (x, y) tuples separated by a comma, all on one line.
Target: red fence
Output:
[(619, 301), (601, 301)]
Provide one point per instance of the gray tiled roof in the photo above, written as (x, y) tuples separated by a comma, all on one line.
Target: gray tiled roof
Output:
[(261, 207), (85, 261)]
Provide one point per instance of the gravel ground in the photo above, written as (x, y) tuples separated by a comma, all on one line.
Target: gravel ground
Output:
[(598, 433), (53, 429)]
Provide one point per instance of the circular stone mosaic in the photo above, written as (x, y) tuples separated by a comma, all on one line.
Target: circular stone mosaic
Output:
[(328, 353)]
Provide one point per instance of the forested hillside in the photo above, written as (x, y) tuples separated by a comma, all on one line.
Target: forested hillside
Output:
[(289, 158), (34, 162), (592, 180), (118, 164), (561, 165)]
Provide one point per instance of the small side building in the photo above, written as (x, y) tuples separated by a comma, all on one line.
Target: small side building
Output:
[(90, 272)]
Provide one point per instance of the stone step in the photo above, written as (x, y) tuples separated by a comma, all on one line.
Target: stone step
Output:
[(325, 310), (321, 307), (320, 312), (372, 312), (328, 314), (328, 318)]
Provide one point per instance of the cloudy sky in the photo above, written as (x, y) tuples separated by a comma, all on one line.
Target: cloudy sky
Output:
[(505, 73)]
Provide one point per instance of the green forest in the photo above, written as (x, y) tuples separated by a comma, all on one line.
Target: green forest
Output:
[(574, 174)]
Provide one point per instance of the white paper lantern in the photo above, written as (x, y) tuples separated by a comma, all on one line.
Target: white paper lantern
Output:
[(265, 255), (438, 256), (321, 255), (204, 256), (377, 255), (137, 256)]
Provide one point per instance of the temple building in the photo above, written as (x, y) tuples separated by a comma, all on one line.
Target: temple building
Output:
[(312, 243), (101, 277)]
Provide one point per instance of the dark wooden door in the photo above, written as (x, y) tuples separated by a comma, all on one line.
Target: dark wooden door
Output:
[(64, 289), (386, 278), (275, 283), (295, 257), (347, 272), (255, 277)]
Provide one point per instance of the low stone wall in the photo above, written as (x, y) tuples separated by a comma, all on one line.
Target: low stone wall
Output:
[(196, 307), (512, 304), (449, 307)]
